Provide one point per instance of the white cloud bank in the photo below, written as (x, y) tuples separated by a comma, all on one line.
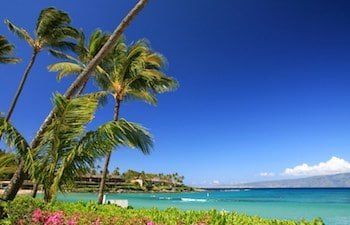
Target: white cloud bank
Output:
[(216, 182), (267, 174), (332, 166)]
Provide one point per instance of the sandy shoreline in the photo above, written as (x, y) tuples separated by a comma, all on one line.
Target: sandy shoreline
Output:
[(20, 192)]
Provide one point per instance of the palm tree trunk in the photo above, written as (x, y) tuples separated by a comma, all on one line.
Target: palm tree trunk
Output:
[(35, 189), (21, 84), (19, 176), (107, 47), (107, 159), (15, 182), (82, 88)]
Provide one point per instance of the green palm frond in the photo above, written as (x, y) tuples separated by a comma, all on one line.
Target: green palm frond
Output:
[(114, 133), (71, 116), (13, 137), (96, 144), (6, 50), (62, 55), (84, 53), (143, 95), (60, 138), (53, 25), (136, 72), (65, 68), (52, 31), (20, 32), (8, 163), (97, 40), (67, 150)]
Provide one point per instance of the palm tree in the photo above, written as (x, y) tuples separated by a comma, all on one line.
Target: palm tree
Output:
[(52, 30), (134, 72), (85, 52), (8, 164), (6, 50), (18, 178), (67, 150)]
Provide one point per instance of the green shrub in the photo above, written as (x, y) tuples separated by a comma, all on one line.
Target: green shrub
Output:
[(21, 208), (89, 212)]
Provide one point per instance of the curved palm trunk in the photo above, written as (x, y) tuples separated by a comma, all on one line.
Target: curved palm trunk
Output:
[(21, 84), (107, 159), (19, 176), (15, 183), (35, 189), (83, 77), (82, 88)]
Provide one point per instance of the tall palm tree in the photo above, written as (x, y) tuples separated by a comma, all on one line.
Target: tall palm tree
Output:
[(52, 30), (6, 50), (67, 150), (134, 72), (18, 178), (85, 51)]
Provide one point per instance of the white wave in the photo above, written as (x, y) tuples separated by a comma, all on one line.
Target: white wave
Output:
[(193, 200), (162, 198), (231, 190)]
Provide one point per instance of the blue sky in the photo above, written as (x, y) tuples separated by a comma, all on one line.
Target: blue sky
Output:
[(264, 84)]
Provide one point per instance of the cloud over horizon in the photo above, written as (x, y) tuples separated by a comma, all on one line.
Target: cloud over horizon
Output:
[(333, 166), (267, 174)]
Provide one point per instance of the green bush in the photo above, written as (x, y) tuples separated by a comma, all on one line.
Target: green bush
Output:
[(89, 212), (21, 208)]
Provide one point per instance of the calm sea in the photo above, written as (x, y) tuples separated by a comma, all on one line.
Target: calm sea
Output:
[(332, 205)]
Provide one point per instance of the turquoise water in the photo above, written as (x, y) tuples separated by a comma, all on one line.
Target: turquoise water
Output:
[(332, 205)]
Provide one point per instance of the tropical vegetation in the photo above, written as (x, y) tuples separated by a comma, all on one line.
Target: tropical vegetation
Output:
[(28, 211), (6, 52), (22, 169), (52, 31), (128, 72)]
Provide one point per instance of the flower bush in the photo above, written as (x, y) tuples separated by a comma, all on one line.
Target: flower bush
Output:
[(35, 212)]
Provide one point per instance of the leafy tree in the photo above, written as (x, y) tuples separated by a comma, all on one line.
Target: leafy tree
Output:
[(85, 52), (132, 72), (116, 171), (52, 30), (66, 149), (18, 178), (6, 50), (8, 164)]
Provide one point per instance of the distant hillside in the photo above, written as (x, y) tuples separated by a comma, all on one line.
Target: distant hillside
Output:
[(336, 180)]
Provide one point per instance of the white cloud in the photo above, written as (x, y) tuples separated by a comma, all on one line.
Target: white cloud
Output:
[(332, 166), (267, 174), (216, 182)]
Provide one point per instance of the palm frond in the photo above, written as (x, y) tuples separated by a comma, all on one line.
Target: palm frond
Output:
[(6, 50), (8, 163), (20, 32), (12, 137), (60, 138), (144, 95), (50, 19), (65, 68), (62, 55)]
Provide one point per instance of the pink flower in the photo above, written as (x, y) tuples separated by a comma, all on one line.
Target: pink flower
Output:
[(151, 223), (72, 221), (55, 219), (38, 216), (97, 221)]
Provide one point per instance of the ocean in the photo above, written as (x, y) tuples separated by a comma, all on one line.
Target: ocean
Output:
[(331, 204)]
